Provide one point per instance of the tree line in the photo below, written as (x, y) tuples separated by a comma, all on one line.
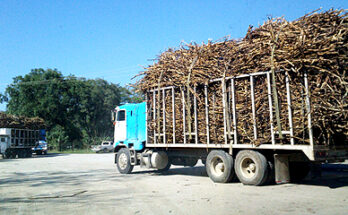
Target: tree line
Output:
[(76, 110)]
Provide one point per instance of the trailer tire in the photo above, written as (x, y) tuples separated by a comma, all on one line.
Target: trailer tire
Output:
[(271, 174), (251, 168), (123, 161), (219, 166), (8, 154), (21, 153), (27, 153), (191, 162)]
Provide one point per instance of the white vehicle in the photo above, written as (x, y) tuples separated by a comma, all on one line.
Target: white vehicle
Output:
[(105, 146)]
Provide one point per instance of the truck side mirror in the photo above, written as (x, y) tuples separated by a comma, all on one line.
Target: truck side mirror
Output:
[(112, 115)]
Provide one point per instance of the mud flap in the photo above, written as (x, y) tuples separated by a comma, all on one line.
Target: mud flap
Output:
[(281, 164)]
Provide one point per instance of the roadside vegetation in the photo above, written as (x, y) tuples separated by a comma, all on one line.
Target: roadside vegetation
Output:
[(75, 151), (76, 110)]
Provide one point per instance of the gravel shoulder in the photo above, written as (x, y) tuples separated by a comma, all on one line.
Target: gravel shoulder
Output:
[(90, 184)]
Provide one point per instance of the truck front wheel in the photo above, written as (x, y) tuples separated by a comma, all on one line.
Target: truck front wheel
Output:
[(219, 166), (123, 161), (251, 167)]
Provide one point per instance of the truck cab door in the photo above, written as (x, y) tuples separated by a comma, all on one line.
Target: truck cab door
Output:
[(120, 133)]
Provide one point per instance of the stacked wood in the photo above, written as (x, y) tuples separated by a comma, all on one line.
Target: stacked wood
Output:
[(315, 44), (20, 122)]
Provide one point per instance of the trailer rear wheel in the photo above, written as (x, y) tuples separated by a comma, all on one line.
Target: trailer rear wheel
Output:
[(219, 166), (191, 162), (27, 153), (251, 167), (123, 161), (21, 153)]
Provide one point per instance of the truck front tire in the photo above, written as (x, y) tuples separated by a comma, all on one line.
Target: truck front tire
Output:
[(251, 167), (219, 166), (123, 161)]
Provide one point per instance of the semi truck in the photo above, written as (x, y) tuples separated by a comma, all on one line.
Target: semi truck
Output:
[(19, 142), (140, 141)]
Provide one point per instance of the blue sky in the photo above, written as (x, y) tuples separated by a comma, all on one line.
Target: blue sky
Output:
[(114, 39)]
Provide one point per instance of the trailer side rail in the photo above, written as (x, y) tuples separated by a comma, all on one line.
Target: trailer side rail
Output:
[(230, 115)]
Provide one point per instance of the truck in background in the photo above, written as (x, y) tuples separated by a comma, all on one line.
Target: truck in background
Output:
[(137, 141), (19, 142)]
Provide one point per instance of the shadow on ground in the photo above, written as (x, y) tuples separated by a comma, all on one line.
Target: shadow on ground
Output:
[(34, 156), (49, 155), (190, 171), (333, 175)]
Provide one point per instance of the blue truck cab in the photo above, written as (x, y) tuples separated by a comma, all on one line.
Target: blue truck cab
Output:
[(130, 126)]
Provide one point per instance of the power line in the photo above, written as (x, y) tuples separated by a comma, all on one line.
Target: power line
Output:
[(124, 69)]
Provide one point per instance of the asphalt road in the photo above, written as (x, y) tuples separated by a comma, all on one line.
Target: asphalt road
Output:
[(90, 184)]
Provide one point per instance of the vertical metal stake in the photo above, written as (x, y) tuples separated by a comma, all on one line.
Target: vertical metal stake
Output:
[(164, 117), (234, 111), (184, 114), (154, 116), (147, 112), (224, 107), (288, 97), (207, 112), (270, 105), (309, 114), (195, 112), (173, 107), (253, 105)]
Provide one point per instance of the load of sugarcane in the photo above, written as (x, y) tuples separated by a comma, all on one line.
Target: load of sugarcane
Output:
[(20, 122), (314, 45)]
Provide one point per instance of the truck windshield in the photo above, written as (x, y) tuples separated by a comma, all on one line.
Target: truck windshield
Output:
[(121, 116)]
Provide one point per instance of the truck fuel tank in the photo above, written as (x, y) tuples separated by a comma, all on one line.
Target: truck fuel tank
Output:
[(157, 160)]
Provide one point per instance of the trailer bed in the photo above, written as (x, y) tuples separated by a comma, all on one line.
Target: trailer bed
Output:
[(164, 125)]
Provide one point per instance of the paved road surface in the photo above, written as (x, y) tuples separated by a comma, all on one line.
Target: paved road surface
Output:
[(89, 184)]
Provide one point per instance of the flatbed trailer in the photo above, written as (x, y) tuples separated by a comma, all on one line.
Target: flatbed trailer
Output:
[(147, 134)]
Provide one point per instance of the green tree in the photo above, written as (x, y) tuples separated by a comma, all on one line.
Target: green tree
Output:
[(75, 108), (133, 95), (58, 138)]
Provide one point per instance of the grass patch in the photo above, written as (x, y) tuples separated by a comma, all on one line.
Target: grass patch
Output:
[(76, 151)]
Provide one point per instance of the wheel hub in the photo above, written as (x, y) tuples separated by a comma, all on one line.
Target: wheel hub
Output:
[(248, 168), (217, 166), (122, 161)]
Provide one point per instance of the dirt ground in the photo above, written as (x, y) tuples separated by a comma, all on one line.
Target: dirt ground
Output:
[(90, 184)]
